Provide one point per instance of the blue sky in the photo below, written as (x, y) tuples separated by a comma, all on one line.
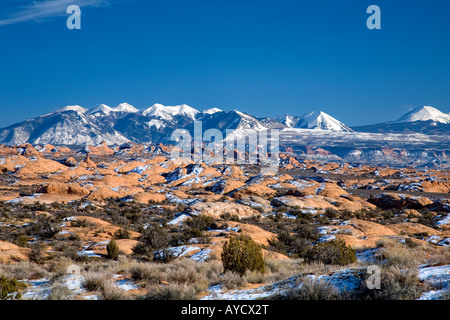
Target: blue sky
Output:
[(261, 57)]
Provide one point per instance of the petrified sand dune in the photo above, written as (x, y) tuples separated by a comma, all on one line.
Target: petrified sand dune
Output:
[(55, 188), (10, 253), (149, 197), (394, 200), (217, 209)]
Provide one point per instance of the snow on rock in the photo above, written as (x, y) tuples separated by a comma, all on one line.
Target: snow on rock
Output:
[(179, 219)]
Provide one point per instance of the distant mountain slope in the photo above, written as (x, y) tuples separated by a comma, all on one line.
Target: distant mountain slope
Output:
[(426, 120), (61, 128), (425, 114)]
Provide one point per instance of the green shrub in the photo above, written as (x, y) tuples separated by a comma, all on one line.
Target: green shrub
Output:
[(154, 238), (241, 254), (332, 252), (113, 250), (200, 222), (122, 234), (9, 288)]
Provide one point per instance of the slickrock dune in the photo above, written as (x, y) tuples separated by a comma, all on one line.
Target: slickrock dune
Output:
[(258, 235), (10, 253), (411, 229), (217, 209), (391, 200), (253, 189), (110, 189), (149, 197), (55, 188)]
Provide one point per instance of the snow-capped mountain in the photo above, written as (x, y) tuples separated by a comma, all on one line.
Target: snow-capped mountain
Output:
[(425, 114), (70, 127), (73, 108), (75, 125), (316, 120), (101, 109), (426, 120), (169, 112), (125, 107)]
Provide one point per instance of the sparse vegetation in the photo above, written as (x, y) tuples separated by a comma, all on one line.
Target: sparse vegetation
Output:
[(331, 252), (242, 254)]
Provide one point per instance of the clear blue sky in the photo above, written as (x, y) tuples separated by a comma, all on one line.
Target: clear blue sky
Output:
[(261, 57)]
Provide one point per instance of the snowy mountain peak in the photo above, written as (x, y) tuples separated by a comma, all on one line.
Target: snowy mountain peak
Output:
[(212, 111), (168, 112), (125, 107), (103, 108), (321, 121), (288, 120), (426, 113), (76, 108)]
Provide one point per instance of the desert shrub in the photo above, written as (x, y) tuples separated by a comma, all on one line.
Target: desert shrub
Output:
[(122, 234), (306, 231), (164, 255), (21, 240), (45, 228), (241, 254), (395, 254), (397, 284), (80, 223), (23, 270), (113, 250), (184, 271), (146, 272), (312, 289), (111, 292), (295, 244), (233, 280), (232, 217), (36, 254), (95, 281), (200, 222), (59, 292), (9, 288), (173, 291), (154, 238), (182, 237), (428, 219), (332, 252), (254, 277)]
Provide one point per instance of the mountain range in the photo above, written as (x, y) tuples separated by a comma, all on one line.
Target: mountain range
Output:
[(422, 131)]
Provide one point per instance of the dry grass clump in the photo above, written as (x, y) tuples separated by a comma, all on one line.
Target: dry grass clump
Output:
[(59, 292), (311, 289), (397, 284), (232, 280), (173, 291), (393, 253), (102, 282), (23, 270)]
